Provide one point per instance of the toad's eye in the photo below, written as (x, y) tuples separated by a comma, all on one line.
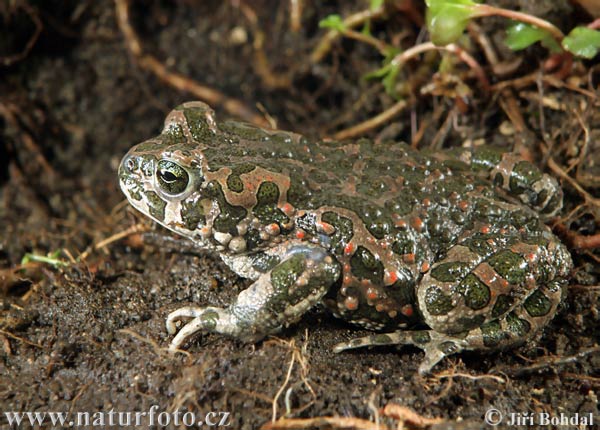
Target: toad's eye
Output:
[(171, 177)]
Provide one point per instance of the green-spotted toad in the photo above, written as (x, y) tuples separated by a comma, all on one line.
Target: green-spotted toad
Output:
[(445, 251)]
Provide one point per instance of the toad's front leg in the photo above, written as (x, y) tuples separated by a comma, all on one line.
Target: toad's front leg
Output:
[(276, 299)]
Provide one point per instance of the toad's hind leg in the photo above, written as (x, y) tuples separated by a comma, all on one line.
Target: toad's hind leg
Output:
[(276, 299), (516, 327), (491, 291)]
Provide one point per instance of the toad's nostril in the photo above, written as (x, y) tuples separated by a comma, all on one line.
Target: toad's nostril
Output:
[(130, 164)]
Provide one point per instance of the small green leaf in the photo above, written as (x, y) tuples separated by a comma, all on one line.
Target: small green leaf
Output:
[(376, 4), (334, 22), (447, 19), (379, 73), (583, 42), (366, 30), (520, 36), (51, 259), (389, 81)]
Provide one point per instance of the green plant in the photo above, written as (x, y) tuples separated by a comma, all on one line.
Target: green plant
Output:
[(447, 20)]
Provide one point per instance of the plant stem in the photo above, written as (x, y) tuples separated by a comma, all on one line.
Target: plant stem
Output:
[(487, 10), (455, 49)]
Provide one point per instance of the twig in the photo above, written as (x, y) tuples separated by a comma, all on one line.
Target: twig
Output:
[(296, 7), (261, 64), (381, 46), (444, 375), (591, 200), (463, 55), (526, 80), (487, 10), (177, 80), (33, 15), (324, 423), (407, 415), (371, 123), (8, 112), (13, 336), (285, 382), (137, 228), (351, 21), (546, 362), (157, 349), (576, 240)]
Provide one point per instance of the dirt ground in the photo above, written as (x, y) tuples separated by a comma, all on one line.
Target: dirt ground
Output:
[(85, 330)]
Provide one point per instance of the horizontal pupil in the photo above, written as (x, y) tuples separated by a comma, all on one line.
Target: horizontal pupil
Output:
[(167, 176)]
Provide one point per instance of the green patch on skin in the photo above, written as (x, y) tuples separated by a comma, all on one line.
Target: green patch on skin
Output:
[(130, 184), (403, 292), (520, 218), (400, 207), (173, 134), (536, 239), (523, 176), (156, 205), (382, 339), (510, 266), (502, 305), (192, 214), (537, 304), (344, 230), (287, 273), (436, 302), (380, 228), (268, 193), (298, 194), (153, 145), (458, 217), (230, 216), (209, 320), (488, 210), (357, 342), (198, 124), (404, 244), (486, 158), (421, 337), (476, 293), (234, 181), (492, 334), (455, 165), (448, 347), (242, 130), (253, 239), (450, 272), (366, 266), (266, 209), (516, 325), (372, 186), (264, 262), (479, 246)]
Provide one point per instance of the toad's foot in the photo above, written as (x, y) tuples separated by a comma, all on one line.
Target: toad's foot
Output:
[(209, 319), (278, 298), (436, 345)]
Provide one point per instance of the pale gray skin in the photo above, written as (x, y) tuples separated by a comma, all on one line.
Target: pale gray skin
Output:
[(424, 247)]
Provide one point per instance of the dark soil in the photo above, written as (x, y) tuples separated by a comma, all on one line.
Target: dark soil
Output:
[(90, 335)]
